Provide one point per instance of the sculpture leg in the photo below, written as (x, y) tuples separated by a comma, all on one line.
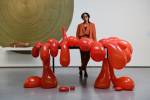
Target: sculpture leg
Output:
[(121, 83), (47, 81), (103, 79), (48, 78)]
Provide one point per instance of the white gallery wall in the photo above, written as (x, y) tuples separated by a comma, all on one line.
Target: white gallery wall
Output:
[(127, 19)]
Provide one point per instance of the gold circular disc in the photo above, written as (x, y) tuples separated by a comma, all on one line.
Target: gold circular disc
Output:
[(33, 20)]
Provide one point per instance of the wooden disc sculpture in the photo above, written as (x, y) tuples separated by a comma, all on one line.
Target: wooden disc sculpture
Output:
[(118, 52), (28, 21)]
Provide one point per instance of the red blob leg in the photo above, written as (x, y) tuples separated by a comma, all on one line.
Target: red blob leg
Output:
[(103, 80), (48, 78), (121, 83)]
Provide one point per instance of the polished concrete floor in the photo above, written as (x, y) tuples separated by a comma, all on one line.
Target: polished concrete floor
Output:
[(11, 85)]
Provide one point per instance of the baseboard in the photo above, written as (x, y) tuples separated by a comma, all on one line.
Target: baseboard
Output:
[(69, 67)]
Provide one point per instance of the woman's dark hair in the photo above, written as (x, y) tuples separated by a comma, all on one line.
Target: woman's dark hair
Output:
[(85, 13)]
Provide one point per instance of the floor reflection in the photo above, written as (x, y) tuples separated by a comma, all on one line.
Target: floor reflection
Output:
[(83, 81)]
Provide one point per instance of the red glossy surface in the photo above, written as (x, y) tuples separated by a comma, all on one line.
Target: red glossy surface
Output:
[(64, 55), (36, 49), (64, 35), (103, 79), (54, 44), (124, 83), (116, 56), (121, 83), (48, 79), (35, 52), (85, 44), (44, 53), (72, 41), (32, 82), (97, 52), (63, 89)]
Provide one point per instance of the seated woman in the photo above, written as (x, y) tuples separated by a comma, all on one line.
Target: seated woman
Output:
[(86, 29)]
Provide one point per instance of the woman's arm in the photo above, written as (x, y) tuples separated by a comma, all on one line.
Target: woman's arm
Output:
[(94, 33), (78, 32)]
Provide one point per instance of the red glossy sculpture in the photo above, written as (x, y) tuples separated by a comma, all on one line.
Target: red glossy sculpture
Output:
[(118, 53)]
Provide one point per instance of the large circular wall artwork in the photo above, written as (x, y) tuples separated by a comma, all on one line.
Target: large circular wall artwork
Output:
[(33, 20)]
